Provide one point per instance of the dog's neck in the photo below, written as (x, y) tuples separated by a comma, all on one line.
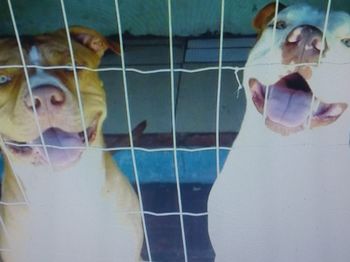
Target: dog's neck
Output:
[(74, 183), (254, 132)]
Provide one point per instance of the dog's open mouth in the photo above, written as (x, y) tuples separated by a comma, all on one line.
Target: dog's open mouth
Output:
[(63, 148), (290, 103)]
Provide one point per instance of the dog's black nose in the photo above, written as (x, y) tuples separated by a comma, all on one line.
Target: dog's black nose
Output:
[(45, 98), (304, 45)]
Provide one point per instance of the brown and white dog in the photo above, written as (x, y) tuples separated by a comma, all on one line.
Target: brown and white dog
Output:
[(283, 194), (80, 206)]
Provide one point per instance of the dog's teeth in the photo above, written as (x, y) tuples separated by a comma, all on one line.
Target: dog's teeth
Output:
[(316, 105)]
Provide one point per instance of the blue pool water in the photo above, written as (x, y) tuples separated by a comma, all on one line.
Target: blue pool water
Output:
[(193, 167)]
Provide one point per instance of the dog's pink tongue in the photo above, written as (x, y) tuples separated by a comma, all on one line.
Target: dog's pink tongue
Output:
[(288, 107), (59, 138)]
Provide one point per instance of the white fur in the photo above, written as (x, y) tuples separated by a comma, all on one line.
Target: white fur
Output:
[(287, 198), (71, 217), (34, 56), (40, 76), (44, 78)]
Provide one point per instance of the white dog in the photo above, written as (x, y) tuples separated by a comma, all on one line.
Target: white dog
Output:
[(283, 194)]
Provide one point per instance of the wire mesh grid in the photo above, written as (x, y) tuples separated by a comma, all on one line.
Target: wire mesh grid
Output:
[(124, 70)]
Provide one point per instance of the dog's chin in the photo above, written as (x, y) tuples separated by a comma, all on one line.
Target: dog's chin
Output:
[(63, 148), (290, 103)]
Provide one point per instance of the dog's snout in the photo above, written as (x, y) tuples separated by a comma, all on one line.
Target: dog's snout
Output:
[(308, 36), (304, 45), (45, 98)]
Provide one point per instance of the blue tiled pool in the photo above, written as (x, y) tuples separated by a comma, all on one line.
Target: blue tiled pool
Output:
[(194, 167)]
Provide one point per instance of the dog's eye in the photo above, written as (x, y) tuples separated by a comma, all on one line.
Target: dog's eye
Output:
[(346, 42), (279, 25), (4, 79)]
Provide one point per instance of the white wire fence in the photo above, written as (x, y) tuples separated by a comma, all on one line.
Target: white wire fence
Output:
[(171, 70)]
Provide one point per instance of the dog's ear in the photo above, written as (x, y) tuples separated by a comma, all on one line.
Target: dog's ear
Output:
[(93, 40), (265, 15)]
